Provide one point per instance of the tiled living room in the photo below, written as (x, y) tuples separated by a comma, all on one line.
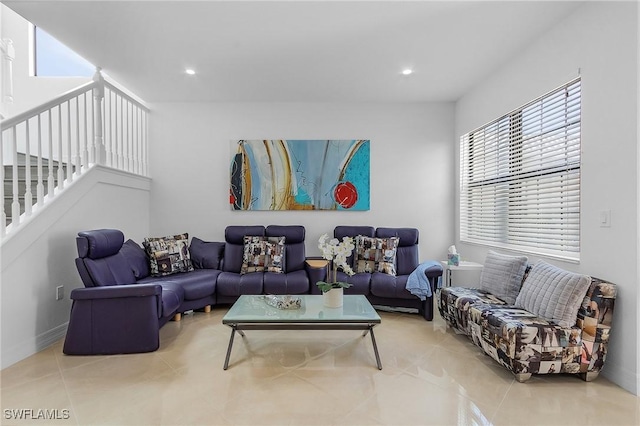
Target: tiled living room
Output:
[(427, 85), (430, 376)]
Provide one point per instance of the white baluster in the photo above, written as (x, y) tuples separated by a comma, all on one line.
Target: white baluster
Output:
[(50, 179), (40, 186), (145, 144), (85, 152), (98, 141), (91, 129), (125, 135), (111, 123), (28, 196), (138, 138), (78, 152), (129, 142), (121, 145), (60, 153), (114, 119), (69, 153), (15, 205)]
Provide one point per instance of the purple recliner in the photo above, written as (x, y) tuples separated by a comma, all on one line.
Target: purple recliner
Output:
[(294, 279), (388, 290), (391, 290), (360, 283)]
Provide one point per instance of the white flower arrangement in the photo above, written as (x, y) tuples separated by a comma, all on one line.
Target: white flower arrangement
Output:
[(337, 253)]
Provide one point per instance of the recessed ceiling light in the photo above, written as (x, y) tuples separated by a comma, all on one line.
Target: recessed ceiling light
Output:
[(407, 71), (190, 71)]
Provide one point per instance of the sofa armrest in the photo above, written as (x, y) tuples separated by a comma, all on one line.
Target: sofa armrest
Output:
[(596, 311), (114, 320), (116, 291), (434, 273)]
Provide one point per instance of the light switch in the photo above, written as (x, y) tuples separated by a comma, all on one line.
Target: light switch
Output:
[(605, 218)]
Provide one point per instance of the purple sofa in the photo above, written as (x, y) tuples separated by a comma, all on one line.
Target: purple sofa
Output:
[(388, 290), (122, 307)]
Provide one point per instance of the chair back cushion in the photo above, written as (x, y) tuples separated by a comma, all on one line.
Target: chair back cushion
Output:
[(342, 231), (112, 270), (234, 245), (100, 259), (407, 254), (137, 258), (294, 235), (206, 254), (99, 243)]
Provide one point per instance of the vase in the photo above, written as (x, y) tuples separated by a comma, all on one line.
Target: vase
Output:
[(333, 297)]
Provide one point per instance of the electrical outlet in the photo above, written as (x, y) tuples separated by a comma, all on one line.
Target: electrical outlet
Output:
[(60, 292)]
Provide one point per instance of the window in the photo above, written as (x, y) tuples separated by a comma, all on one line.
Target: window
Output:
[(54, 59), (520, 178)]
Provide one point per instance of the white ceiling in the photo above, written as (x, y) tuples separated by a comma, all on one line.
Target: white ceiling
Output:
[(308, 51)]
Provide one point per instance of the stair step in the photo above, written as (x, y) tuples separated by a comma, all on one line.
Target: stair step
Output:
[(22, 172), (8, 186), (8, 182)]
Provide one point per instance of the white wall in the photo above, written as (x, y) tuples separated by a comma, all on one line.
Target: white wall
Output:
[(601, 40), (411, 165), (41, 256), (29, 91)]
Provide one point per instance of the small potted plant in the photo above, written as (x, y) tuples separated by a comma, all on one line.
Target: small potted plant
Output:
[(336, 252)]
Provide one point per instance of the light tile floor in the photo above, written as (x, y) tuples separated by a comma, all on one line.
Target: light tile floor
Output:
[(431, 376)]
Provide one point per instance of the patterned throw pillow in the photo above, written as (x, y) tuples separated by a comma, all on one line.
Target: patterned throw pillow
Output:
[(376, 254), (168, 255), (263, 254)]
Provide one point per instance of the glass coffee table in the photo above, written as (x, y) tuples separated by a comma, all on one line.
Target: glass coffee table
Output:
[(251, 312)]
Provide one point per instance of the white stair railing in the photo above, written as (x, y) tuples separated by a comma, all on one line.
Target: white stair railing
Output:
[(50, 146)]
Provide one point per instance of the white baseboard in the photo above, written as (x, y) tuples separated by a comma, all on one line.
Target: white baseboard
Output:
[(29, 347), (627, 380)]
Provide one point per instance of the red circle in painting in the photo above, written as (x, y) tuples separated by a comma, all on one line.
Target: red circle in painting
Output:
[(346, 194)]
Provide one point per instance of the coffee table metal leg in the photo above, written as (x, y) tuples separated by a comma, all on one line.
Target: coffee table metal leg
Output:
[(226, 360), (375, 348)]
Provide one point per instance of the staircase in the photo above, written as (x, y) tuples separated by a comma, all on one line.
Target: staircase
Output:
[(46, 148), (36, 180)]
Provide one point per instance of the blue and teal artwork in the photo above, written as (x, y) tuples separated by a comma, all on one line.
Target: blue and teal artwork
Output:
[(296, 174)]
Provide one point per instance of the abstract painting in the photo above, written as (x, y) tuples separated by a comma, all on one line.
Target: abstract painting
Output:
[(292, 174)]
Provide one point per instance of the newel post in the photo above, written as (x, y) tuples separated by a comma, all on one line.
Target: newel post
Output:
[(99, 150)]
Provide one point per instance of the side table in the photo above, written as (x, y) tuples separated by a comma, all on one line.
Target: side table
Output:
[(317, 263), (318, 269), (463, 266)]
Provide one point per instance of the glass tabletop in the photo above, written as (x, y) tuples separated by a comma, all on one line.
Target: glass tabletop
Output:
[(254, 309)]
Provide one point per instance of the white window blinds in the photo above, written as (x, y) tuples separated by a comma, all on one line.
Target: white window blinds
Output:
[(520, 178)]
